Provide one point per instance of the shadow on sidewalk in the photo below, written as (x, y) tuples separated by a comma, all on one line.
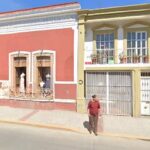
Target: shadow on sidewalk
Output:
[(87, 126), (100, 125)]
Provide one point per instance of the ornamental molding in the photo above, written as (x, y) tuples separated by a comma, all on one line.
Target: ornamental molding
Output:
[(138, 26), (39, 23), (39, 12), (44, 18)]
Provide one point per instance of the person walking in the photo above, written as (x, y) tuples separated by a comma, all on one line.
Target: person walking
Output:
[(93, 113)]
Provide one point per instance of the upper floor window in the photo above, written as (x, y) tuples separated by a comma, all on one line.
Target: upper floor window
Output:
[(136, 47), (105, 46)]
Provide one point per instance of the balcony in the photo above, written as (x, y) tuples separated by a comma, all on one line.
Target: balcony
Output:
[(101, 59), (137, 59), (97, 57)]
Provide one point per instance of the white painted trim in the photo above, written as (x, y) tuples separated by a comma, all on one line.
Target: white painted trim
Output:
[(54, 64), (42, 100), (65, 82), (65, 100), (138, 65), (107, 92), (44, 51), (10, 30), (16, 52), (10, 68), (75, 28), (39, 24)]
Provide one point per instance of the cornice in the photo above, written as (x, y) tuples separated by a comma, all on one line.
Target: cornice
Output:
[(38, 24), (115, 12), (41, 12), (39, 19), (123, 9), (50, 18)]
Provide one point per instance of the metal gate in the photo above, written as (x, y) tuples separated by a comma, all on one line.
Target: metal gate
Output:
[(145, 93), (114, 90)]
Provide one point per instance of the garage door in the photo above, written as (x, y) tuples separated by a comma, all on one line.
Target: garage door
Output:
[(114, 90)]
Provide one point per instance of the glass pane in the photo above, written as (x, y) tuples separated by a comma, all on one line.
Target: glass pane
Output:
[(97, 37), (133, 44), (98, 45), (138, 43), (143, 35), (129, 35), (102, 45), (112, 37), (133, 35), (111, 45), (129, 52), (138, 36), (106, 37), (143, 52), (102, 37), (129, 44), (133, 52), (139, 50), (107, 45), (110, 53), (143, 44)]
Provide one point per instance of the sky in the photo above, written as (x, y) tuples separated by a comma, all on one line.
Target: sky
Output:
[(12, 5)]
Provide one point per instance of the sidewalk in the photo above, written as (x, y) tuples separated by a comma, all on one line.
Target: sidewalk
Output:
[(118, 126)]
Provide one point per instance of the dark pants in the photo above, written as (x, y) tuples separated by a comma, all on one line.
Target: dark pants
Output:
[(93, 121)]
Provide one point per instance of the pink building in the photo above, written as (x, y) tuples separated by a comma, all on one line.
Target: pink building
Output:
[(42, 44)]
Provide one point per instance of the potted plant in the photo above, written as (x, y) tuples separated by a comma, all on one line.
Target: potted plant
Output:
[(105, 57), (146, 59), (122, 57), (94, 58), (136, 58)]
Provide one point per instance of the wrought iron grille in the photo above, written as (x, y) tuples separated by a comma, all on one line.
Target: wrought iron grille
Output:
[(114, 89)]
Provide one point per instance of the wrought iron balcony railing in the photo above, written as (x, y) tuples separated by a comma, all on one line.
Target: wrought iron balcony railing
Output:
[(97, 57)]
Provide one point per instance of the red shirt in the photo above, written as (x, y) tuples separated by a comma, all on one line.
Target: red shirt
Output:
[(94, 107)]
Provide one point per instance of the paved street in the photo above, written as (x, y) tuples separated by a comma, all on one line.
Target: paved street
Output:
[(17, 137)]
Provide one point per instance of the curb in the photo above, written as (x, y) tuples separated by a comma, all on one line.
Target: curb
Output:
[(58, 127), (40, 125)]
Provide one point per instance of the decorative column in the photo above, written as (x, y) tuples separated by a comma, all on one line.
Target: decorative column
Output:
[(136, 92), (119, 49), (80, 86)]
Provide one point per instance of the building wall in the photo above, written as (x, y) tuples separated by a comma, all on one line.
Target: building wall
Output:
[(60, 40), (119, 21), (49, 31), (88, 46)]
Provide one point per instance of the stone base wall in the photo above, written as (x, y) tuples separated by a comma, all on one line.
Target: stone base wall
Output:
[(4, 88)]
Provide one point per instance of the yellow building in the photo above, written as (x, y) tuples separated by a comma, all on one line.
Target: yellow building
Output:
[(114, 59)]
